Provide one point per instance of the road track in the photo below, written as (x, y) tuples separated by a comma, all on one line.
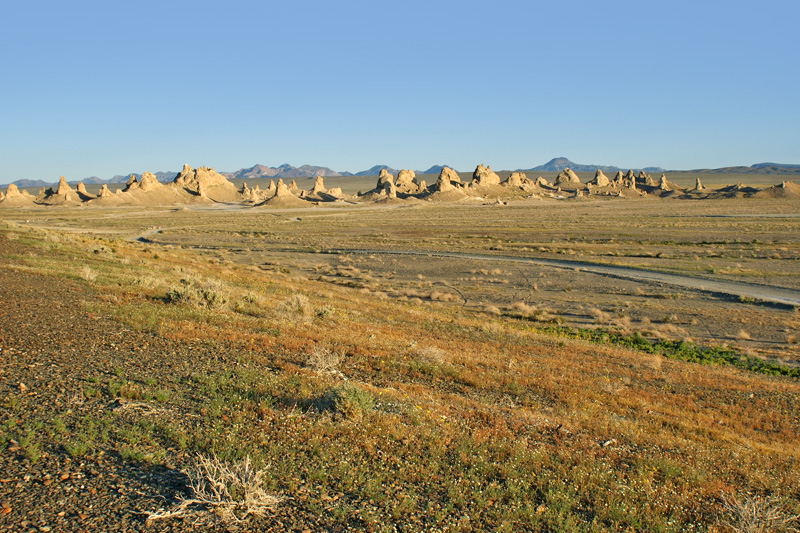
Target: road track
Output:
[(738, 289)]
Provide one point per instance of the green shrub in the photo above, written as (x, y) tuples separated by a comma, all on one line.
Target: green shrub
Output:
[(351, 402), (76, 448), (680, 350)]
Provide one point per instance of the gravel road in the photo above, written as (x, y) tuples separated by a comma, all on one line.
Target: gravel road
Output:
[(726, 288)]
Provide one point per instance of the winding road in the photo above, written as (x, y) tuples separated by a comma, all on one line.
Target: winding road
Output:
[(740, 289)]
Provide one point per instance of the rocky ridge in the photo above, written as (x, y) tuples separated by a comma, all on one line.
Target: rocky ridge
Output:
[(204, 185)]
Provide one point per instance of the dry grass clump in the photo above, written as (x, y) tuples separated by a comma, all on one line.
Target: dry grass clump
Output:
[(742, 335), (547, 315), (325, 360), (600, 317), (87, 274), (408, 293), (376, 294), (53, 237), (326, 311), (147, 282), (622, 323), (523, 310), (431, 354), (532, 312), (757, 514), (200, 293), (347, 272), (669, 331), (439, 296), (614, 387), (493, 327), (791, 339), (233, 492), (492, 310), (653, 362), (296, 307), (251, 304)]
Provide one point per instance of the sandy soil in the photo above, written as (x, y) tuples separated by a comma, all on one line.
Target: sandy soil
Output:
[(675, 269), (50, 348)]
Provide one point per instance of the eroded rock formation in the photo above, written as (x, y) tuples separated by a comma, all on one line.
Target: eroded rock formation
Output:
[(483, 175)]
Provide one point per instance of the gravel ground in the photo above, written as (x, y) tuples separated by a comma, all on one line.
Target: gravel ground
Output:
[(49, 345)]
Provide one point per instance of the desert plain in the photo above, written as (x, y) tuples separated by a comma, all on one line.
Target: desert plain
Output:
[(547, 359)]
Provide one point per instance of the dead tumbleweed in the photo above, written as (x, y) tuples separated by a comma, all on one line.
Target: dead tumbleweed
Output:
[(233, 492), (325, 360), (757, 514)]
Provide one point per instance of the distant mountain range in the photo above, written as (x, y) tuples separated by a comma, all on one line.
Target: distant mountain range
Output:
[(32, 183), (777, 165), (123, 178), (309, 171), (374, 171), (758, 168), (284, 171), (94, 180), (560, 163)]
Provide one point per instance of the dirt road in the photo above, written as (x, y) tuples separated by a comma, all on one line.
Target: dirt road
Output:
[(754, 291)]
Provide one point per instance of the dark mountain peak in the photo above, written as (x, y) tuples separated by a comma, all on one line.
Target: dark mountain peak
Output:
[(283, 171), (23, 183), (374, 171), (435, 169), (559, 163)]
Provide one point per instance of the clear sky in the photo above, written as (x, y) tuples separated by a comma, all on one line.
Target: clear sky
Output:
[(104, 88)]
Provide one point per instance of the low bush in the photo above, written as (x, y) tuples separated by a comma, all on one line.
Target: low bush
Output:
[(680, 350), (351, 402), (200, 294)]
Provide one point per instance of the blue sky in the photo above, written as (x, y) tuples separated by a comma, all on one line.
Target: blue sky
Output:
[(104, 88)]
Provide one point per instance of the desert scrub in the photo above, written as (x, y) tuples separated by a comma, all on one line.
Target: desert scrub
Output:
[(351, 402), (522, 310), (250, 304), (296, 307), (76, 448), (600, 316), (146, 282), (325, 312), (87, 274), (325, 360), (208, 294)]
